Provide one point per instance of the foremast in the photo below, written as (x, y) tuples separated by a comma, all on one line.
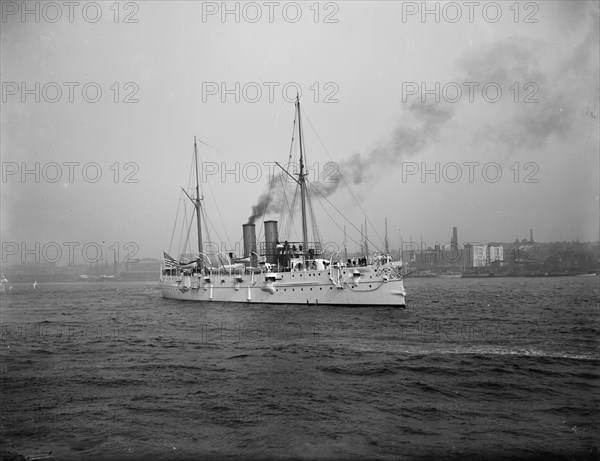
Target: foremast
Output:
[(197, 206)]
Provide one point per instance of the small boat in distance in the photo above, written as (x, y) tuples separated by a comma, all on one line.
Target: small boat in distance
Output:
[(281, 271)]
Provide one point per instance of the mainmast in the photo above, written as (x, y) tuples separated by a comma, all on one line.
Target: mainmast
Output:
[(302, 182), (197, 205), (362, 240), (345, 246), (366, 241), (387, 246), (401, 247)]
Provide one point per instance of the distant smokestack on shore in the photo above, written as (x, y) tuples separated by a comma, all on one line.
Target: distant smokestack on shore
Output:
[(454, 240), (530, 235)]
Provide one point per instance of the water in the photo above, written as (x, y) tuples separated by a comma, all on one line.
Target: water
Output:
[(472, 369)]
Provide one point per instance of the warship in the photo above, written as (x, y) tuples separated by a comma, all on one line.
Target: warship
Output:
[(279, 271)]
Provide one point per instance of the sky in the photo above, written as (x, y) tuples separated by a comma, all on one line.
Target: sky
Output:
[(437, 115)]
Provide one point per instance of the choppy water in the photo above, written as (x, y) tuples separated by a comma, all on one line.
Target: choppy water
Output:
[(472, 369)]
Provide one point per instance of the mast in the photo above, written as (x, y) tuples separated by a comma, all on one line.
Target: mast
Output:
[(366, 240), (345, 247), (197, 205), (387, 246), (362, 240), (302, 182), (401, 247)]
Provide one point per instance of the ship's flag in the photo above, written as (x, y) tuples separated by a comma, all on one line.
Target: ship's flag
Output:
[(169, 262)]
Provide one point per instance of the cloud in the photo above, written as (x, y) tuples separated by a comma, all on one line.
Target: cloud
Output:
[(557, 83)]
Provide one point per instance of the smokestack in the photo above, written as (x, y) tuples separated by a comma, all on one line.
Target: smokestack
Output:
[(530, 235), (249, 233), (455, 237), (271, 239)]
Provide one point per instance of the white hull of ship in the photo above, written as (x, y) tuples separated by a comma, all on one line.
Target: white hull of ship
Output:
[(335, 287)]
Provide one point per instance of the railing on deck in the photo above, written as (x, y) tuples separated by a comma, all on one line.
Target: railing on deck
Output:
[(280, 253)]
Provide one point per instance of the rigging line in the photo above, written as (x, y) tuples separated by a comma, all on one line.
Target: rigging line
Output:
[(334, 221), (187, 237), (282, 178), (293, 136), (285, 192), (315, 230), (208, 222), (176, 221), (341, 214), (184, 222), (314, 227), (187, 247), (191, 175), (311, 214), (190, 249), (183, 243), (181, 249), (290, 207), (213, 198), (220, 216), (195, 169), (338, 226), (186, 244), (269, 190), (302, 142), (284, 207), (297, 198), (286, 211), (290, 225), (341, 176), (208, 145), (212, 194)]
